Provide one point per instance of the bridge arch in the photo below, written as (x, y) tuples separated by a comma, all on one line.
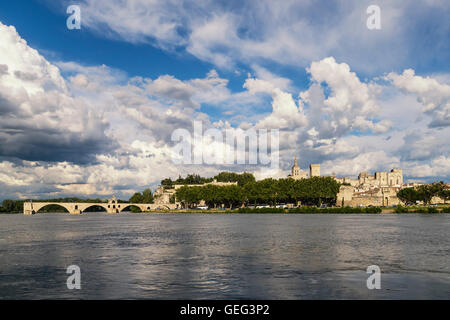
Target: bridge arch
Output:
[(83, 208), (38, 207), (128, 206)]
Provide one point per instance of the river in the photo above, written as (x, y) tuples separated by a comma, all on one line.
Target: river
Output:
[(224, 256)]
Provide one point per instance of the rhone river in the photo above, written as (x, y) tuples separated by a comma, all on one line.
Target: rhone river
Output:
[(228, 256)]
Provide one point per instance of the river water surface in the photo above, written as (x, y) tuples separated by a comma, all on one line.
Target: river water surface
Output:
[(224, 256)]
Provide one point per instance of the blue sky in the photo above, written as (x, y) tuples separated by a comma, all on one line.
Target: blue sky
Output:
[(42, 24), (350, 98), (44, 27)]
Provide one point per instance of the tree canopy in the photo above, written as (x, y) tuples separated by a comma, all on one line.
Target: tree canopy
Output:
[(11, 206), (145, 197), (424, 193), (240, 178), (268, 191)]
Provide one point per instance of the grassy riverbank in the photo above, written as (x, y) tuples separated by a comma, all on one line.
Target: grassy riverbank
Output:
[(422, 209), (315, 210)]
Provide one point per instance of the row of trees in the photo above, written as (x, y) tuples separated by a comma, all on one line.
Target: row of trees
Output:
[(11, 206), (315, 191), (424, 193), (190, 179), (240, 178)]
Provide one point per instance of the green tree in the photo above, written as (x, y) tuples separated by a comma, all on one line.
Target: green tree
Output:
[(190, 196), (136, 198), (426, 193), (192, 179), (241, 179), (147, 196), (167, 183), (408, 195), (8, 205), (316, 190), (444, 194), (12, 206)]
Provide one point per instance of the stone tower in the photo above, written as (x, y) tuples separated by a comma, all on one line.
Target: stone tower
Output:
[(314, 170), (395, 177), (295, 171)]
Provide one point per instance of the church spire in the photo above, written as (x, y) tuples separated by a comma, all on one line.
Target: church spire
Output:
[(295, 162)]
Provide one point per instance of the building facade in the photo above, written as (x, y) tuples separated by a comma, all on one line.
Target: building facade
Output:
[(379, 189), (314, 170), (377, 197), (380, 179)]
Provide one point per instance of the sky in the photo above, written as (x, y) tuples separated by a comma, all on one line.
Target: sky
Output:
[(90, 112)]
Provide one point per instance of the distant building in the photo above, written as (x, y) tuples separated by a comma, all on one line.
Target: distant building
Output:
[(314, 170), (380, 196), (379, 189), (346, 180), (163, 195), (394, 178), (413, 184), (297, 173), (380, 179)]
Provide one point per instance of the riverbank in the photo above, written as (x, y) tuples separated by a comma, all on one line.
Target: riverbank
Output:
[(306, 210), (315, 210)]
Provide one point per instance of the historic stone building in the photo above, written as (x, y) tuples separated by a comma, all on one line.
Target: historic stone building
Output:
[(297, 173), (379, 196), (394, 178), (346, 180), (379, 189), (314, 170), (380, 179), (163, 196)]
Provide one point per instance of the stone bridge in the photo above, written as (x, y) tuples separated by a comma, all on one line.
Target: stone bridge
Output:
[(112, 206)]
